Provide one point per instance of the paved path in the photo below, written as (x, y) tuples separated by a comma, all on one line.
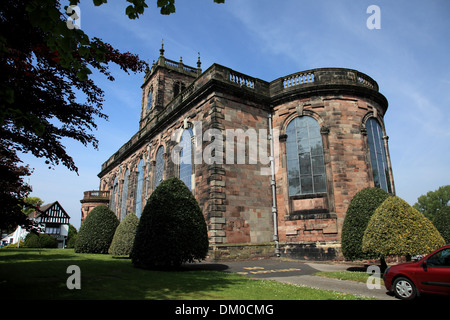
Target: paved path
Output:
[(298, 273)]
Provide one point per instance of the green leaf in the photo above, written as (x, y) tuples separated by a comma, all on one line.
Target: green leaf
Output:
[(84, 52), (99, 2)]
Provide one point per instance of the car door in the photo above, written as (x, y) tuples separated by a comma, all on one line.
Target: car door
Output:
[(434, 274)]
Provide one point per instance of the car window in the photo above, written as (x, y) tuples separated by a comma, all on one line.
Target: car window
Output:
[(440, 259)]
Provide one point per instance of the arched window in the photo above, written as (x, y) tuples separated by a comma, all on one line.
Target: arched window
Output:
[(150, 99), (139, 185), (378, 155), (123, 211), (186, 158), (159, 167), (114, 194), (305, 162)]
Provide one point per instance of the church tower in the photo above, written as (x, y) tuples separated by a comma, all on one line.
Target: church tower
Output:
[(163, 83)]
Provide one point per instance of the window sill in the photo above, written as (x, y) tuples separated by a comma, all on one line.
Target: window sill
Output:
[(310, 214)]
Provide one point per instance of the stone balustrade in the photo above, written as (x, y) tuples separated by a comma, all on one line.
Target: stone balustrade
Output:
[(289, 84)]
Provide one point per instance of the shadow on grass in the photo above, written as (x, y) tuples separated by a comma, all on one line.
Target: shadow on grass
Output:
[(26, 274)]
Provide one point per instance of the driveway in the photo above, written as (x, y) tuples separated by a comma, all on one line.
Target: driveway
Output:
[(297, 273)]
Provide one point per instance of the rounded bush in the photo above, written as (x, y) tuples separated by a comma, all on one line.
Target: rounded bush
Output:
[(42, 240), (396, 228), (442, 222), (360, 210), (97, 231), (171, 230), (123, 239)]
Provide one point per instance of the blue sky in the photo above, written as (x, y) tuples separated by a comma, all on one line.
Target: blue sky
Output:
[(408, 57)]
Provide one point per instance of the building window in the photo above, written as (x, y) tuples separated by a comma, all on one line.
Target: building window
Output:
[(113, 196), (378, 155), (139, 185), (305, 162), (185, 173), (178, 87), (159, 166), (123, 212), (52, 229), (149, 99)]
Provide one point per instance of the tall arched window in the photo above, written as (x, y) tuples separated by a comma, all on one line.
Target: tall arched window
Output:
[(139, 185), (159, 167), (186, 158), (114, 194), (149, 99), (378, 155), (305, 162), (123, 211)]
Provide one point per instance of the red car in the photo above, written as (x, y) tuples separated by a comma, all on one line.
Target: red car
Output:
[(428, 275)]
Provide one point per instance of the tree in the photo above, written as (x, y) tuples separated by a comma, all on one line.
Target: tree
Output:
[(97, 231), (40, 240), (442, 222), (172, 229), (43, 67), (31, 203), (72, 236), (433, 201), (13, 189), (396, 228), (123, 239), (360, 210)]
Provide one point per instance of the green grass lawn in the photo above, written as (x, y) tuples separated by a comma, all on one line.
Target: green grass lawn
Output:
[(348, 275), (34, 274)]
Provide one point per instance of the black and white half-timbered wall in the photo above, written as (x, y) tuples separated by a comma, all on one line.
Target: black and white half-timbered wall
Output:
[(55, 221)]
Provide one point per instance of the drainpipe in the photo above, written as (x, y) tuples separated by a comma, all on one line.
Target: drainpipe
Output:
[(274, 191)]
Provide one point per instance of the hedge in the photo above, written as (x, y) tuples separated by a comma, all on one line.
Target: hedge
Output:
[(171, 230), (360, 210), (97, 231), (396, 228), (123, 239), (42, 240)]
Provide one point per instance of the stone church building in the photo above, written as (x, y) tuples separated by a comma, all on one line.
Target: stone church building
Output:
[(273, 165)]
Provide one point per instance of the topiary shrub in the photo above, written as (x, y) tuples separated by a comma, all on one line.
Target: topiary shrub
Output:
[(71, 237), (171, 230), (360, 210), (123, 239), (71, 241), (42, 240), (442, 222), (97, 231), (396, 228)]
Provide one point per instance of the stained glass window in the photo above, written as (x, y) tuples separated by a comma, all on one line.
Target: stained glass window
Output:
[(185, 173), (305, 162), (113, 196), (378, 155), (123, 212), (139, 185), (159, 167)]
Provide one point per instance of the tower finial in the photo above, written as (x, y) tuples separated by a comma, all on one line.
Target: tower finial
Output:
[(161, 51), (199, 63)]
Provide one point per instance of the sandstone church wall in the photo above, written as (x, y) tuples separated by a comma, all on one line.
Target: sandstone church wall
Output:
[(228, 114)]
